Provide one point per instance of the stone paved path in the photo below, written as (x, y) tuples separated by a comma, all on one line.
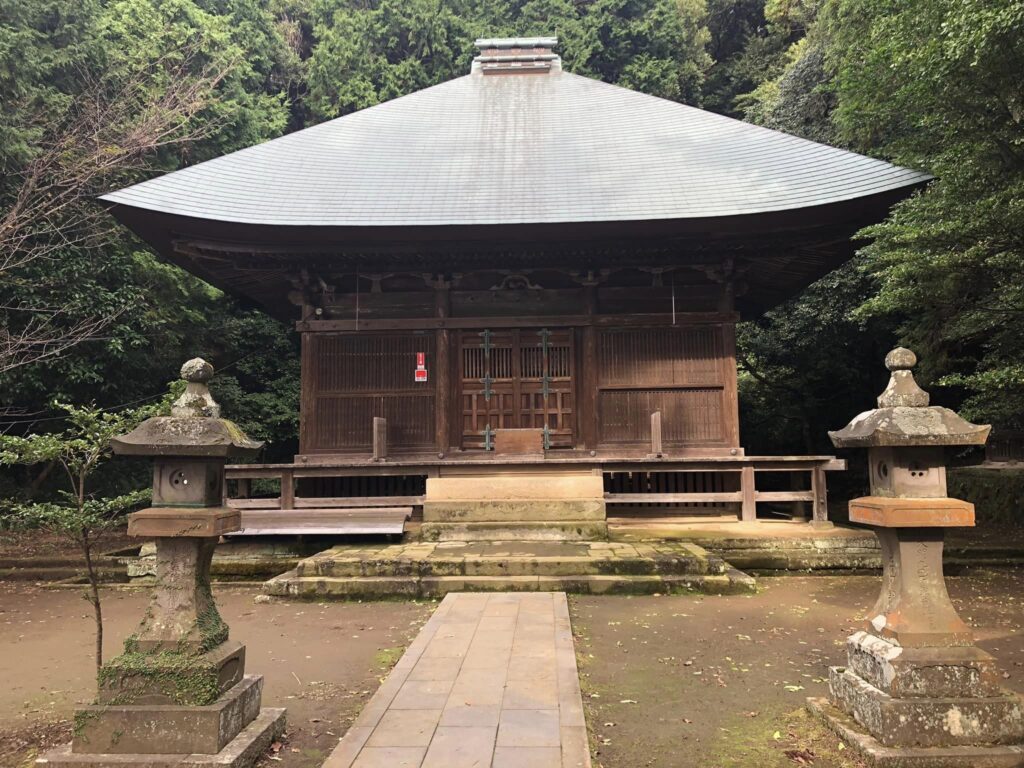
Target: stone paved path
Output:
[(489, 682)]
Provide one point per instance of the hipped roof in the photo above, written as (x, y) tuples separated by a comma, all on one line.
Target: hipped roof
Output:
[(522, 149)]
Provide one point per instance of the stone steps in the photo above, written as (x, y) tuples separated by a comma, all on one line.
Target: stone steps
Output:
[(689, 560), (427, 569), (291, 585)]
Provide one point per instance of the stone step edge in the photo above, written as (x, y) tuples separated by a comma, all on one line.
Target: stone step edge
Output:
[(681, 565), (880, 756), (523, 530), (290, 585)]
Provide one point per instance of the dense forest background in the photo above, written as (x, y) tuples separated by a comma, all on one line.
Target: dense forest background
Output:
[(97, 94)]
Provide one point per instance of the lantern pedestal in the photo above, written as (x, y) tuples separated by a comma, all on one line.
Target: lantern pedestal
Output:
[(915, 690)]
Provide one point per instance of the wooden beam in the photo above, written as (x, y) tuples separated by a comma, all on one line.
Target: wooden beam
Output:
[(672, 498), (335, 502), (784, 496), (432, 323)]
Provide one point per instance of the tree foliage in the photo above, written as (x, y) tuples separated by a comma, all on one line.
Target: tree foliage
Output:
[(937, 86)]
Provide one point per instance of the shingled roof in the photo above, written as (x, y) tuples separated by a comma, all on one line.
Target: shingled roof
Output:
[(543, 148)]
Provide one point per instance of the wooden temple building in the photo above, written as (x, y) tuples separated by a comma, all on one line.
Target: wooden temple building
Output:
[(517, 293)]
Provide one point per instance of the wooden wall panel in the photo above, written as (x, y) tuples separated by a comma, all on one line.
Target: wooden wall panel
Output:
[(681, 372), (688, 415), (659, 357), (351, 378)]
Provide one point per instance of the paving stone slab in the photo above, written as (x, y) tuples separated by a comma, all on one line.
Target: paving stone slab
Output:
[(489, 682)]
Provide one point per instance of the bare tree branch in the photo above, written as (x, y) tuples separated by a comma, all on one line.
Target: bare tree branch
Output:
[(110, 132)]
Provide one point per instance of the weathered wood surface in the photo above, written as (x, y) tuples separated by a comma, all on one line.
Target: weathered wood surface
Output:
[(339, 466), (308, 522), (326, 502)]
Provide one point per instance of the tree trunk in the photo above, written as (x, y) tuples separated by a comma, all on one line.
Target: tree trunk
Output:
[(94, 597)]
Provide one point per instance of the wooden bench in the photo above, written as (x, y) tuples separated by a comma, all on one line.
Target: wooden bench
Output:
[(337, 521)]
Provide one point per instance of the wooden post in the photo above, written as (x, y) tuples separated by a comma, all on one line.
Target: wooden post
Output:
[(656, 448), (380, 438), (287, 489), (730, 392), (587, 376), (244, 488), (748, 491), (442, 391), (820, 504), (798, 509)]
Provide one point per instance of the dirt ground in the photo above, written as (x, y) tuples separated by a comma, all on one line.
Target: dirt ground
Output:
[(719, 682), (671, 681), (321, 661)]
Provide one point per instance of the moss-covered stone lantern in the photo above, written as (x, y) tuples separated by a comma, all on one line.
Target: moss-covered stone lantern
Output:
[(916, 691), (179, 693)]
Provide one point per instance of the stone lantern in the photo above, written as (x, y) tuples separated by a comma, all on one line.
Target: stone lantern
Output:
[(915, 690), (179, 695)]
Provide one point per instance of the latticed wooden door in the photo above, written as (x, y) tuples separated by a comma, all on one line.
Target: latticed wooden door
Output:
[(513, 379)]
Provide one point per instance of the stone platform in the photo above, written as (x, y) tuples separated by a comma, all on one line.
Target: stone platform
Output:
[(877, 755), (489, 682), (427, 569)]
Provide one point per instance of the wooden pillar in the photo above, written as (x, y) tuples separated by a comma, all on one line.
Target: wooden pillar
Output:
[(380, 438), (443, 394), (287, 489), (587, 387), (307, 416), (748, 491), (820, 491), (730, 392)]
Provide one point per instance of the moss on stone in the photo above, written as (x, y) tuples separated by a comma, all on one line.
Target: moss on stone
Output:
[(185, 677)]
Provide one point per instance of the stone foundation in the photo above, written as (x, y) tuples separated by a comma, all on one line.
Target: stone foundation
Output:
[(520, 506)]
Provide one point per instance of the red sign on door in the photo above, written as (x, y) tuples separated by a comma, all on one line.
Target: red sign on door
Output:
[(421, 368)]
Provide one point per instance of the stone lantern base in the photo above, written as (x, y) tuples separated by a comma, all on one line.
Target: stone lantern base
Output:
[(916, 692), (178, 696)]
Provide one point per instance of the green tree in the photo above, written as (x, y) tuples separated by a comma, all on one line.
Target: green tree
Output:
[(77, 514), (937, 86), (808, 365)]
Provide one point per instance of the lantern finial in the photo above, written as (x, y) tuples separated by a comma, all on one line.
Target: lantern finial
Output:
[(903, 389)]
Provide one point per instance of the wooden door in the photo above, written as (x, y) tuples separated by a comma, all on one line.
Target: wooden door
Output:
[(511, 379)]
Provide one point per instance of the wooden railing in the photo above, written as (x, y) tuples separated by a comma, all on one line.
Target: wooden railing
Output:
[(747, 468)]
